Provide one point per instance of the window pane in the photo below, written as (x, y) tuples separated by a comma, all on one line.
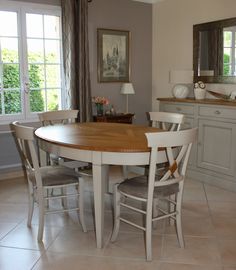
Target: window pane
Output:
[(35, 51), (227, 70), (8, 23), (12, 101), (37, 99), (34, 25), (227, 38), (9, 47), (52, 51), (227, 55), (53, 99), (51, 26), (36, 76), (53, 78), (11, 76)]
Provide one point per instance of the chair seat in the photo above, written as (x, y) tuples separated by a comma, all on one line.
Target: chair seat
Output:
[(56, 176), (138, 187)]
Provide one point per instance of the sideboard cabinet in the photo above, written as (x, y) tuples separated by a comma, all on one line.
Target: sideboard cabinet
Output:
[(213, 157)]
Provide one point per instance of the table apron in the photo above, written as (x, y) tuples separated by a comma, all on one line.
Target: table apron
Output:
[(97, 157)]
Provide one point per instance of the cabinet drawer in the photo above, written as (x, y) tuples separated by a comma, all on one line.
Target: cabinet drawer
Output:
[(217, 112), (176, 108)]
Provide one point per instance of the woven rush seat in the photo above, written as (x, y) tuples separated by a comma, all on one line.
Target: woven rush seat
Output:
[(138, 187), (56, 176)]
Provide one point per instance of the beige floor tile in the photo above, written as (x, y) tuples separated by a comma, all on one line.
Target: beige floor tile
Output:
[(20, 259), (24, 237), (131, 245), (225, 227), (198, 209), (194, 194), (222, 209), (180, 266), (199, 251), (192, 183), (14, 191), (219, 194), (229, 268), (13, 212), (228, 252), (5, 228), (74, 262), (194, 226), (74, 241)]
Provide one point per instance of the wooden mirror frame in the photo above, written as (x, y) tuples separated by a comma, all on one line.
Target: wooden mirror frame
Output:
[(196, 57)]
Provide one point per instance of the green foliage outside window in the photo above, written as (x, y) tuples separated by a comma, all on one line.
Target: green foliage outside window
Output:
[(226, 70), (11, 79)]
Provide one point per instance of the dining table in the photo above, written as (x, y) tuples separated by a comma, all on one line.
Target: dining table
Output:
[(101, 144)]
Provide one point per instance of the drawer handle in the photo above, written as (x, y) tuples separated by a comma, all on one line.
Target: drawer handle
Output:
[(178, 109), (217, 112)]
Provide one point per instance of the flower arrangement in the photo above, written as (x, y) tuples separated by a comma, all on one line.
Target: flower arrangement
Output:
[(100, 100), (200, 84)]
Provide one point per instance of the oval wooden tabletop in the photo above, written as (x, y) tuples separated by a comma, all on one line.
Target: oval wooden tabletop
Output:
[(98, 136)]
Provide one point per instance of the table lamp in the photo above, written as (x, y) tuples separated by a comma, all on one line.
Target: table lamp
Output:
[(180, 78), (127, 89)]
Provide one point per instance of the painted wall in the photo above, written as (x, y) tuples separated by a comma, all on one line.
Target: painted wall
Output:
[(173, 42), (137, 18)]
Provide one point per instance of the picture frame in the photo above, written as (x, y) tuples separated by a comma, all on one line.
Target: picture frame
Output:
[(113, 55)]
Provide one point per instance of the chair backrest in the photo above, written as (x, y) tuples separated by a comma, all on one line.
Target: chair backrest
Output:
[(58, 117), (177, 145), (166, 120), (26, 142)]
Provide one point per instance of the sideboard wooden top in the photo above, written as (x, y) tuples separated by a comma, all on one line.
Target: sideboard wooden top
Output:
[(201, 101)]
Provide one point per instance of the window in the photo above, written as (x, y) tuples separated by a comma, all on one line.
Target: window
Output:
[(30, 60), (229, 51)]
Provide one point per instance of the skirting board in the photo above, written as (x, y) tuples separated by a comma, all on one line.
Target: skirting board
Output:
[(9, 174)]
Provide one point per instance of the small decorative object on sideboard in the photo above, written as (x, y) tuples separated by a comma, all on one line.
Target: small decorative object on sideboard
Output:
[(182, 79), (199, 90), (219, 95), (100, 102)]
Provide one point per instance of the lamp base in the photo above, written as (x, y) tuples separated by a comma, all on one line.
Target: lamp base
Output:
[(180, 91)]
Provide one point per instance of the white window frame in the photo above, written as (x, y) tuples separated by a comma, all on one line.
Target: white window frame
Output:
[(232, 47), (22, 8)]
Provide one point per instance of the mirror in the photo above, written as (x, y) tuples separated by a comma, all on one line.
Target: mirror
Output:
[(214, 51)]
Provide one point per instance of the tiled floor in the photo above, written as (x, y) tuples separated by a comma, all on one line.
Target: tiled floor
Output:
[(209, 221)]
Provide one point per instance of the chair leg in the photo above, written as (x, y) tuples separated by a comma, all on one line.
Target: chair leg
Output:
[(41, 216), (148, 236), (31, 204), (179, 229), (155, 212), (81, 204), (64, 200), (116, 203)]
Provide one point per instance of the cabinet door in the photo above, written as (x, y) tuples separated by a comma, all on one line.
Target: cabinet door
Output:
[(216, 146)]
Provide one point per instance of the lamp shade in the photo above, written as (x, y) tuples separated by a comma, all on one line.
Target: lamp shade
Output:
[(127, 89), (181, 76)]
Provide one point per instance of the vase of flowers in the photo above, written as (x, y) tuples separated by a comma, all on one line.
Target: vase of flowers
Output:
[(99, 103), (199, 90)]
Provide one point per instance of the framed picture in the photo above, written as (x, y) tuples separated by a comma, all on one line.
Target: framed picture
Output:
[(113, 55)]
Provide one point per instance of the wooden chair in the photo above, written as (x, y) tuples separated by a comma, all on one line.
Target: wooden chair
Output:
[(156, 187), (164, 120), (41, 179), (62, 117)]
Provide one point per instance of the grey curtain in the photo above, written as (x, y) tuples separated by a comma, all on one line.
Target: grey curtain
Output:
[(76, 57)]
